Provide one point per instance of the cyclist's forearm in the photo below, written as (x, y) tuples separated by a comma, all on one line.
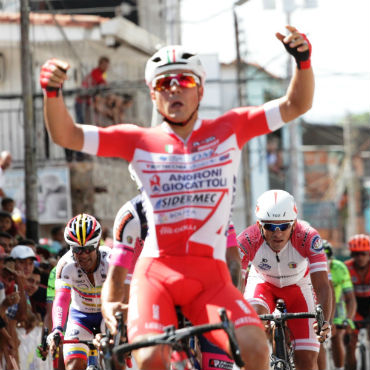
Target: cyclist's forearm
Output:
[(235, 272), (351, 304), (234, 264), (61, 307), (333, 301), (299, 97), (320, 283), (60, 124)]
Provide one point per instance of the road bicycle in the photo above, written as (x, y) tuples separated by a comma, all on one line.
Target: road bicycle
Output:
[(179, 341), (282, 356), (98, 358), (363, 345)]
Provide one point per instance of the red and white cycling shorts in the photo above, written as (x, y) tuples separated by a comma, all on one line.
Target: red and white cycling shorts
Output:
[(199, 285), (297, 297)]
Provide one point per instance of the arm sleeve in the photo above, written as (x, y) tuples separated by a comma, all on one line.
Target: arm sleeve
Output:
[(231, 237), (61, 303), (113, 141), (250, 122)]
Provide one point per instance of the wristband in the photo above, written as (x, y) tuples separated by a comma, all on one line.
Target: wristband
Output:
[(45, 74), (302, 58), (52, 92)]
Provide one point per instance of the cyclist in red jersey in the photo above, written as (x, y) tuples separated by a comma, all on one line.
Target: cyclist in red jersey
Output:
[(359, 269), (187, 170), (130, 230), (287, 262)]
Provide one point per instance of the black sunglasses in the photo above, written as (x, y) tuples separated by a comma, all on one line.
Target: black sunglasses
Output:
[(80, 250)]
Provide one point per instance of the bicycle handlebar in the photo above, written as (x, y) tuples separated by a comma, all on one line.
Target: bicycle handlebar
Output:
[(283, 316), (287, 316), (172, 335)]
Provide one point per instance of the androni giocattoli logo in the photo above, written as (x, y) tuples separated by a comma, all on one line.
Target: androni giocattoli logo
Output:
[(155, 184)]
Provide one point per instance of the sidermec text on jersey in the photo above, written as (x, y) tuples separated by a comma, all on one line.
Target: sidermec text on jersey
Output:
[(189, 199)]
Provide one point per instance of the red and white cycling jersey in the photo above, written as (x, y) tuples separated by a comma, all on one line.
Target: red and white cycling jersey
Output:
[(130, 230), (188, 185), (285, 275), (302, 254), (361, 287)]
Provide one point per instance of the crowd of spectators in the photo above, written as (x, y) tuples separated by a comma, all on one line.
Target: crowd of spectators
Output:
[(25, 267), (24, 271)]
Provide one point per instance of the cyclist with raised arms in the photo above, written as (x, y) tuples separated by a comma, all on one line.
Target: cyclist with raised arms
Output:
[(287, 260), (187, 168), (359, 269), (80, 275)]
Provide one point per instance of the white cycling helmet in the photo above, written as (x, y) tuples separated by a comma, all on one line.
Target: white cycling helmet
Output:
[(276, 205), (173, 57)]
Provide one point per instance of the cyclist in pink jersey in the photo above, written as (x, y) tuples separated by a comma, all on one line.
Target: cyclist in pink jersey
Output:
[(186, 168), (287, 261)]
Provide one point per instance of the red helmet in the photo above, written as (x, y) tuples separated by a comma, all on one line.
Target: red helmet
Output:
[(359, 243)]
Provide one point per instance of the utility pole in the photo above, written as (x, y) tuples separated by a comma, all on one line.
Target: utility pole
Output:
[(30, 165), (246, 174), (351, 228)]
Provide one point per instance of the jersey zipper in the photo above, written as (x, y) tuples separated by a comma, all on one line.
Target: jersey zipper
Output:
[(277, 257)]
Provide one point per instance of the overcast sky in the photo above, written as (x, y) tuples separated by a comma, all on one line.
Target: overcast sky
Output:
[(339, 31)]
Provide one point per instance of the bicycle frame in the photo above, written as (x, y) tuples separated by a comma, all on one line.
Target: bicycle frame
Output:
[(92, 356), (363, 343), (281, 358)]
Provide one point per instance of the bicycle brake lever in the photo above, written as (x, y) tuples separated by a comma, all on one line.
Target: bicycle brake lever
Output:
[(319, 318)]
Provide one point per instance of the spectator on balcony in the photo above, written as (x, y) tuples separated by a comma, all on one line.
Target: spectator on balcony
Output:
[(84, 101), (5, 162), (96, 78)]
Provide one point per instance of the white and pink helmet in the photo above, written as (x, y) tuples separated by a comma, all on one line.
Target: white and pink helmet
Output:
[(276, 205)]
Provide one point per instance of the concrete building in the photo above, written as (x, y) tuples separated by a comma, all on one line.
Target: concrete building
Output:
[(98, 185)]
